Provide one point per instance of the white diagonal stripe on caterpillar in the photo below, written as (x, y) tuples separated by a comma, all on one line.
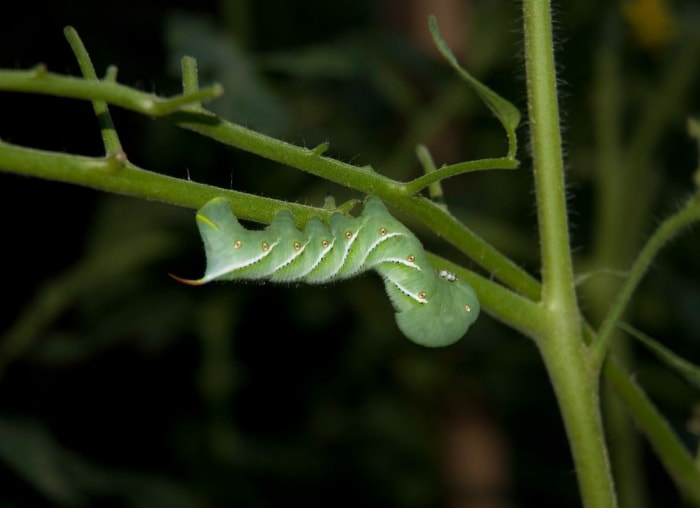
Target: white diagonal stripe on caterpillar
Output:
[(433, 307)]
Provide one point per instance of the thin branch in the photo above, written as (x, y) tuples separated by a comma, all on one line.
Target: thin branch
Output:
[(665, 232), (110, 138), (116, 175), (39, 80), (417, 185), (668, 447), (561, 346)]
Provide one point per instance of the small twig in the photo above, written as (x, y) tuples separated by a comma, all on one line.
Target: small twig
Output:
[(110, 138), (39, 80)]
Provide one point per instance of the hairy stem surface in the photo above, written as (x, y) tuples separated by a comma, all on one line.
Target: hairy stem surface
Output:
[(561, 345)]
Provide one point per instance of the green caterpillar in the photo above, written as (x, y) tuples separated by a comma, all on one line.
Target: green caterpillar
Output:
[(433, 308)]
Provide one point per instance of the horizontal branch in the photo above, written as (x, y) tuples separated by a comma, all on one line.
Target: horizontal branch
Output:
[(415, 186), (204, 122), (207, 124), (668, 447), (115, 174), (39, 80)]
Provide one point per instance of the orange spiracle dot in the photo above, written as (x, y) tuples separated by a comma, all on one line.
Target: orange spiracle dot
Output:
[(265, 246), (297, 246), (467, 308), (348, 234), (382, 231), (411, 258), (237, 244), (325, 243), (421, 295)]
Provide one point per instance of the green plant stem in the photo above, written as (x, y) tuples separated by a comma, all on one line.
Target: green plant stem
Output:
[(97, 173), (112, 175), (116, 175), (417, 185), (627, 186), (182, 110), (369, 182), (557, 272), (39, 80), (562, 352), (425, 158), (561, 345), (206, 123), (360, 178), (668, 446), (670, 450), (483, 253), (190, 79), (577, 393), (669, 228), (110, 138)]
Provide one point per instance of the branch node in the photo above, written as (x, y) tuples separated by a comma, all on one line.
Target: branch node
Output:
[(111, 74), (320, 149), (115, 161), (39, 70)]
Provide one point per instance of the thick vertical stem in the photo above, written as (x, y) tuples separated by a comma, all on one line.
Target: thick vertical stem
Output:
[(575, 382), (545, 140), (577, 393)]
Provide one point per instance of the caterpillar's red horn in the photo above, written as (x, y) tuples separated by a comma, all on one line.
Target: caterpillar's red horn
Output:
[(189, 282)]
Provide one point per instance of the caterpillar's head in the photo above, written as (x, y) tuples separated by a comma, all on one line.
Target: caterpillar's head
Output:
[(445, 318)]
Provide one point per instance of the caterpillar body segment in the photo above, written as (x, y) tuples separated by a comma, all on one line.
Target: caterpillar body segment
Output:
[(433, 308)]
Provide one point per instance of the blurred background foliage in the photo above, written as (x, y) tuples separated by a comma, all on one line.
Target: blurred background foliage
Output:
[(120, 387)]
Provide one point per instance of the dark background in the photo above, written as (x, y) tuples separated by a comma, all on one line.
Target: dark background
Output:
[(128, 389)]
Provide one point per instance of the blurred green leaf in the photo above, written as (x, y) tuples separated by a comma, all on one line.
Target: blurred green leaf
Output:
[(32, 454), (68, 479)]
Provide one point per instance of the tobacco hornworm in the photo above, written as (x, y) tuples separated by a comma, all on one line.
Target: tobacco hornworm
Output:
[(433, 308)]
